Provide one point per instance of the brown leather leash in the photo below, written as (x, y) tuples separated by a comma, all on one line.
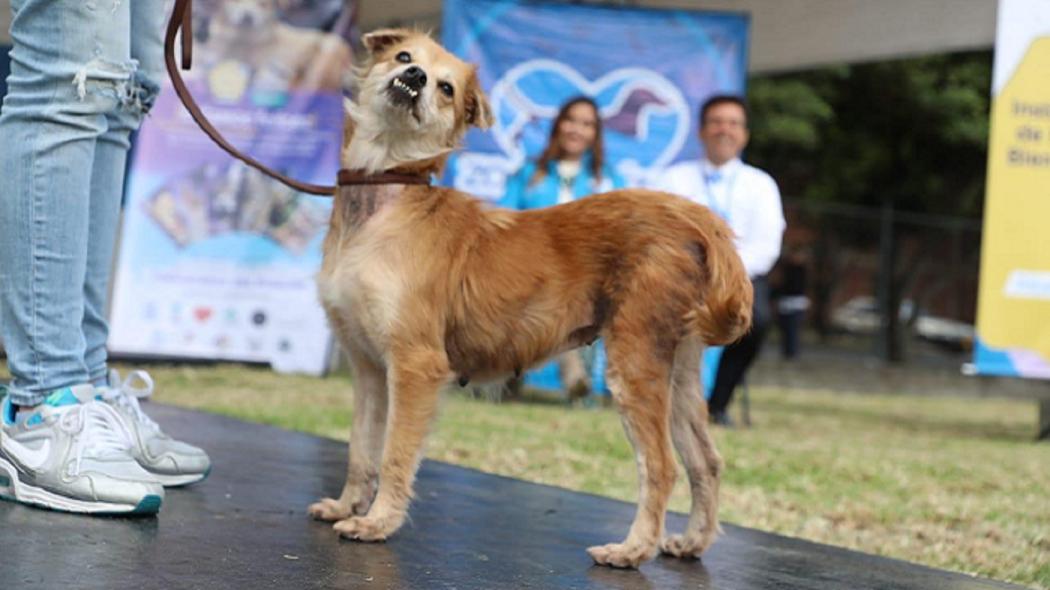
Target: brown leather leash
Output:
[(182, 18)]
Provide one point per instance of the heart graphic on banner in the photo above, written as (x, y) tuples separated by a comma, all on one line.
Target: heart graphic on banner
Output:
[(202, 314), (645, 115)]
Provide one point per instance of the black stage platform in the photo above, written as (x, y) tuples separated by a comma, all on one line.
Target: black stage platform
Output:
[(245, 527)]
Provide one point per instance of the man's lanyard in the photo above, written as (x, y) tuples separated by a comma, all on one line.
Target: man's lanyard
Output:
[(720, 208)]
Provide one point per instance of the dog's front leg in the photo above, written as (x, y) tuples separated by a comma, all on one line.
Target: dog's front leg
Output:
[(366, 441), (416, 376)]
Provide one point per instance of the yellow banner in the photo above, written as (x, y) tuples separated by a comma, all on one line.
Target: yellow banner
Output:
[(1013, 313)]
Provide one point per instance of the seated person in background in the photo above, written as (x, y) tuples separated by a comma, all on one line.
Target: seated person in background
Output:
[(789, 294), (749, 200), (570, 167)]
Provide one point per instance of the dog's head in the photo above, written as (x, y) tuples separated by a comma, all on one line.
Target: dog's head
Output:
[(247, 14), (413, 99)]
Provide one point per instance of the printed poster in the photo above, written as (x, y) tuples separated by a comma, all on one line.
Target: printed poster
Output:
[(216, 260)]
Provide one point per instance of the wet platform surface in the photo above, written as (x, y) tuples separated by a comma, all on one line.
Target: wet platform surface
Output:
[(245, 527)]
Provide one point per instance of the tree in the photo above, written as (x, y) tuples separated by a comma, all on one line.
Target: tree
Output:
[(907, 136), (912, 131)]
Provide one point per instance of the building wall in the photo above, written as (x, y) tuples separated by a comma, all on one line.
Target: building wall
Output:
[(786, 35), (796, 34), (800, 34)]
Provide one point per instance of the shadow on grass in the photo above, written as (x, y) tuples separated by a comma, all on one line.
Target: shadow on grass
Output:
[(915, 422), (539, 397), (908, 423), (887, 418)]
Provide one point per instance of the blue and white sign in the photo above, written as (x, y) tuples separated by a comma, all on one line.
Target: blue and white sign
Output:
[(648, 70)]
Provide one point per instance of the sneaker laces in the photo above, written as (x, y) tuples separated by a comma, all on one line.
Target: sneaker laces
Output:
[(127, 395), (95, 431)]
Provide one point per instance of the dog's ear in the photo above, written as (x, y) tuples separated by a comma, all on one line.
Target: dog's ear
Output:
[(379, 40), (479, 113)]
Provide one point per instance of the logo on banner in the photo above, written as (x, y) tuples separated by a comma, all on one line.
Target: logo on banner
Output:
[(645, 120)]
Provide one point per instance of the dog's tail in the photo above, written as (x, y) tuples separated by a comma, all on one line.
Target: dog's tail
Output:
[(724, 311)]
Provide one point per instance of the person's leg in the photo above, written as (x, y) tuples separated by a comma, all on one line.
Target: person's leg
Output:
[(737, 357), (731, 367), (169, 461), (135, 96), (792, 332), (67, 63), (574, 374), (70, 60), (598, 367), (784, 326)]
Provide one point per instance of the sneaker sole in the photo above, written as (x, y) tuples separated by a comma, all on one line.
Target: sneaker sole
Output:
[(13, 489), (174, 481)]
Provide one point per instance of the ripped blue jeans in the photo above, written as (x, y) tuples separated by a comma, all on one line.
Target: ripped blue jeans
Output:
[(83, 74)]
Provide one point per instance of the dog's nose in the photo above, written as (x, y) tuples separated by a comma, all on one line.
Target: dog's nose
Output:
[(415, 77)]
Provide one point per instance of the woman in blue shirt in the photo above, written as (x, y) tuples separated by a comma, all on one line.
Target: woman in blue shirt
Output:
[(572, 166)]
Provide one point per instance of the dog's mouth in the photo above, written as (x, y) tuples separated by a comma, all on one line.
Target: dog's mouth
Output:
[(401, 92), (401, 95), (407, 86)]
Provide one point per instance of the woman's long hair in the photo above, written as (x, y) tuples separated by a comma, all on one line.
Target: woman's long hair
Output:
[(553, 150)]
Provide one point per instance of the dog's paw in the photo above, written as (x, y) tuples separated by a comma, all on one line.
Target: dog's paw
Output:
[(685, 546), (621, 554), (328, 509), (361, 496), (367, 528), (360, 507)]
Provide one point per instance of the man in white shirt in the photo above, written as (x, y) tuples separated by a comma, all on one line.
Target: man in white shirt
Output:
[(748, 199)]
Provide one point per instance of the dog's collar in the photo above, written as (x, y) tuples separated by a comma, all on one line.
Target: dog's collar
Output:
[(349, 177)]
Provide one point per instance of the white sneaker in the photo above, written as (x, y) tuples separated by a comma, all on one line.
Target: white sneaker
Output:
[(71, 455), (171, 462)]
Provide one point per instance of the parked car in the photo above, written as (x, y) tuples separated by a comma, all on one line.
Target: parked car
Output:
[(860, 315)]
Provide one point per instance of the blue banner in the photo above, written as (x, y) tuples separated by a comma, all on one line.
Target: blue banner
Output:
[(648, 70)]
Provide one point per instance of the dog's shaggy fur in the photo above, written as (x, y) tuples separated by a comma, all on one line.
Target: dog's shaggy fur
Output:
[(428, 285)]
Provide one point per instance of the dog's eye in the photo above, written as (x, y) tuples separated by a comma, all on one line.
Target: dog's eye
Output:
[(404, 57), (446, 88)]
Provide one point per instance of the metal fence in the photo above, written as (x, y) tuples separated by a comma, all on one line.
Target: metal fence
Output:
[(897, 286)]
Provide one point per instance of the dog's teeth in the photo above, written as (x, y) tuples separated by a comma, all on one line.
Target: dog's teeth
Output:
[(397, 83)]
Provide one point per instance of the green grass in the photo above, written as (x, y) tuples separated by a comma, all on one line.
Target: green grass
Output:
[(954, 483)]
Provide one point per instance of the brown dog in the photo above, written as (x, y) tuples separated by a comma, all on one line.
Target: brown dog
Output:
[(428, 285)]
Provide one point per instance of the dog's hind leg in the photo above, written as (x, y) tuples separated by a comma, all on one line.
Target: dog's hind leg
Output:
[(416, 376), (366, 441), (693, 441), (639, 377)]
